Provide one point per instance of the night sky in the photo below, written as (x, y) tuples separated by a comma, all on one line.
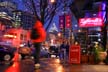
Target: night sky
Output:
[(20, 5)]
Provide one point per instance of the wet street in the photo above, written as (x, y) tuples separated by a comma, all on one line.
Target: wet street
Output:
[(51, 65)]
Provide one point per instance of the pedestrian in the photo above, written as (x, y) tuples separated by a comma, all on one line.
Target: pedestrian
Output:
[(64, 48), (38, 35)]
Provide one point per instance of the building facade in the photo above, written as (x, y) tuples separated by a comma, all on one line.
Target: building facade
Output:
[(23, 19), (6, 8)]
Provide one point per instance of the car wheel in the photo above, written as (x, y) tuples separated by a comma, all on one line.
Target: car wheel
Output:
[(7, 57)]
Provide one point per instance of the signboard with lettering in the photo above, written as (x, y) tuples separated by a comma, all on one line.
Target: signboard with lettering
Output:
[(74, 54), (90, 22)]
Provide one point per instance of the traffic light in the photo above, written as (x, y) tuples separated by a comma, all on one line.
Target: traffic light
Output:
[(68, 21)]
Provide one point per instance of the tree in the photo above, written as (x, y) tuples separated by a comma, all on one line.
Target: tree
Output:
[(76, 8), (45, 10)]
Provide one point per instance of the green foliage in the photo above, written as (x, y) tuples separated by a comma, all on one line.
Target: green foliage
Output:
[(97, 49)]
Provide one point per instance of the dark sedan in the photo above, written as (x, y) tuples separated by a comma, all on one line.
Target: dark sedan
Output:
[(6, 53)]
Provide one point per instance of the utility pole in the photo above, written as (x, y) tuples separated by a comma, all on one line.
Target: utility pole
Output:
[(64, 26)]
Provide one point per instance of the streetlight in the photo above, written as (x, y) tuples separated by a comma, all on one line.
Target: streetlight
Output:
[(59, 34), (52, 1)]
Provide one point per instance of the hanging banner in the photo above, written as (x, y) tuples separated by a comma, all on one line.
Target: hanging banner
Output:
[(68, 20), (61, 21), (74, 54)]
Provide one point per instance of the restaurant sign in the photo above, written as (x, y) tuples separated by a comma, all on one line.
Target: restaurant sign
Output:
[(90, 22)]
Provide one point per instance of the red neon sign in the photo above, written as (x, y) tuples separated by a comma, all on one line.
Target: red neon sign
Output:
[(90, 22)]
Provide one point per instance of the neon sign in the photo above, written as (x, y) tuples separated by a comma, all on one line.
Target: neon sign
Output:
[(90, 22)]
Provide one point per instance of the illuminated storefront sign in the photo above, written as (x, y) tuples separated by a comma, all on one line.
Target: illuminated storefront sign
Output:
[(90, 22)]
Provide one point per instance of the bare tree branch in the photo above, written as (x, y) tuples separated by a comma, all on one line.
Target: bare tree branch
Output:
[(45, 10)]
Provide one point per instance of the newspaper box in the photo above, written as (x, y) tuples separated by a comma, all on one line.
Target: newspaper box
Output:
[(74, 54)]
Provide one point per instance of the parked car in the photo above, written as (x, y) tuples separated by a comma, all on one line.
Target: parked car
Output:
[(6, 53)]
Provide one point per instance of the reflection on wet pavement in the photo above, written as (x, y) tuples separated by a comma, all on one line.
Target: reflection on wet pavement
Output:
[(51, 65), (15, 67)]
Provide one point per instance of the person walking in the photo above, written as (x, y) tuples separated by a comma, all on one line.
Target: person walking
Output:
[(38, 35), (64, 48)]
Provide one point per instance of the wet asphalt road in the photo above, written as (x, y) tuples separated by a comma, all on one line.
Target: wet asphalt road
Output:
[(51, 65)]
